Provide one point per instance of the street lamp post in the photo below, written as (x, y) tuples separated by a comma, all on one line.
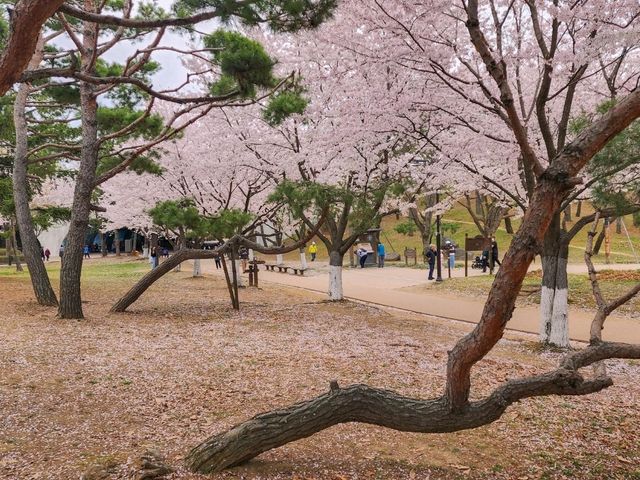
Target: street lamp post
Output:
[(438, 252)]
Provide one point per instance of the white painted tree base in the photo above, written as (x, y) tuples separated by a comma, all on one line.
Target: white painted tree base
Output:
[(335, 283), (554, 316), (303, 260), (279, 259), (197, 270), (560, 319), (239, 273)]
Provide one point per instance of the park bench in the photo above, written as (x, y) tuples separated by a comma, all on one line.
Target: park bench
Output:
[(273, 266), (284, 269)]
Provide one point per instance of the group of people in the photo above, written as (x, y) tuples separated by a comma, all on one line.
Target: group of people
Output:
[(45, 253), (490, 261)]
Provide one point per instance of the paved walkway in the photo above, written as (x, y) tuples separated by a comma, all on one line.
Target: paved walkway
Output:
[(408, 289)]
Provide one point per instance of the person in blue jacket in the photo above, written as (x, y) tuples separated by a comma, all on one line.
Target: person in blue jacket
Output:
[(381, 255)]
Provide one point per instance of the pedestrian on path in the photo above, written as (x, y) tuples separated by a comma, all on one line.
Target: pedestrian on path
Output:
[(86, 252), (362, 256), (381, 254), (218, 261), (154, 257), (47, 254), (494, 254), (432, 253), (313, 251)]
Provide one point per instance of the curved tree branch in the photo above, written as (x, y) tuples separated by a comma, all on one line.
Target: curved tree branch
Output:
[(26, 21)]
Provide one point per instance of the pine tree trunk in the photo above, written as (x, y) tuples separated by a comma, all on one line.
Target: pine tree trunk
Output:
[(619, 225), (117, 241), (7, 246), (336, 292), (579, 208), (279, 259), (197, 270), (70, 293), (30, 246), (14, 244)]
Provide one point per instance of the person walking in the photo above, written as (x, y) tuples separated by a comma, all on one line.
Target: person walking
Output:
[(154, 257), (494, 254), (47, 254), (313, 251), (362, 256), (218, 261), (86, 251), (432, 253), (381, 254), (42, 254)]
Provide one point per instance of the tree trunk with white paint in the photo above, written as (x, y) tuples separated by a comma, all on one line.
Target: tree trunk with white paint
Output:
[(303, 259), (239, 273), (279, 259), (554, 297), (197, 270), (335, 276)]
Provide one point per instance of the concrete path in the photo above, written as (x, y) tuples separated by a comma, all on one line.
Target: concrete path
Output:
[(408, 289)]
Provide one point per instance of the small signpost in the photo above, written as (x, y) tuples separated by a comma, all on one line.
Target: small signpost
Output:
[(410, 253)]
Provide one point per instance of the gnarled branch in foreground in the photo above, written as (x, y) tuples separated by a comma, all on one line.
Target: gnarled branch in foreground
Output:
[(361, 403), (453, 411)]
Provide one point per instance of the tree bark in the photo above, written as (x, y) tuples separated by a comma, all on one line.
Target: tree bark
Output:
[(579, 208), (303, 258), (336, 292), (554, 299), (70, 291), (30, 245), (197, 268), (508, 225), (26, 21), (14, 246), (361, 403), (116, 239)]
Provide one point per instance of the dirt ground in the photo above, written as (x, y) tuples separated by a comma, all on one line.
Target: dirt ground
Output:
[(89, 398)]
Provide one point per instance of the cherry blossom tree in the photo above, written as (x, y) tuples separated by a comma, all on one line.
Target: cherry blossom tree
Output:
[(506, 80)]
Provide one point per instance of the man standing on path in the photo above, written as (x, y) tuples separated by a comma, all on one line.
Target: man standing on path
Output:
[(313, 250), (381, 255), (431, 259)]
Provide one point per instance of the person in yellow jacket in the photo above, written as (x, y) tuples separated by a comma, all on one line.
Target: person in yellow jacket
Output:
[(313, 250)]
